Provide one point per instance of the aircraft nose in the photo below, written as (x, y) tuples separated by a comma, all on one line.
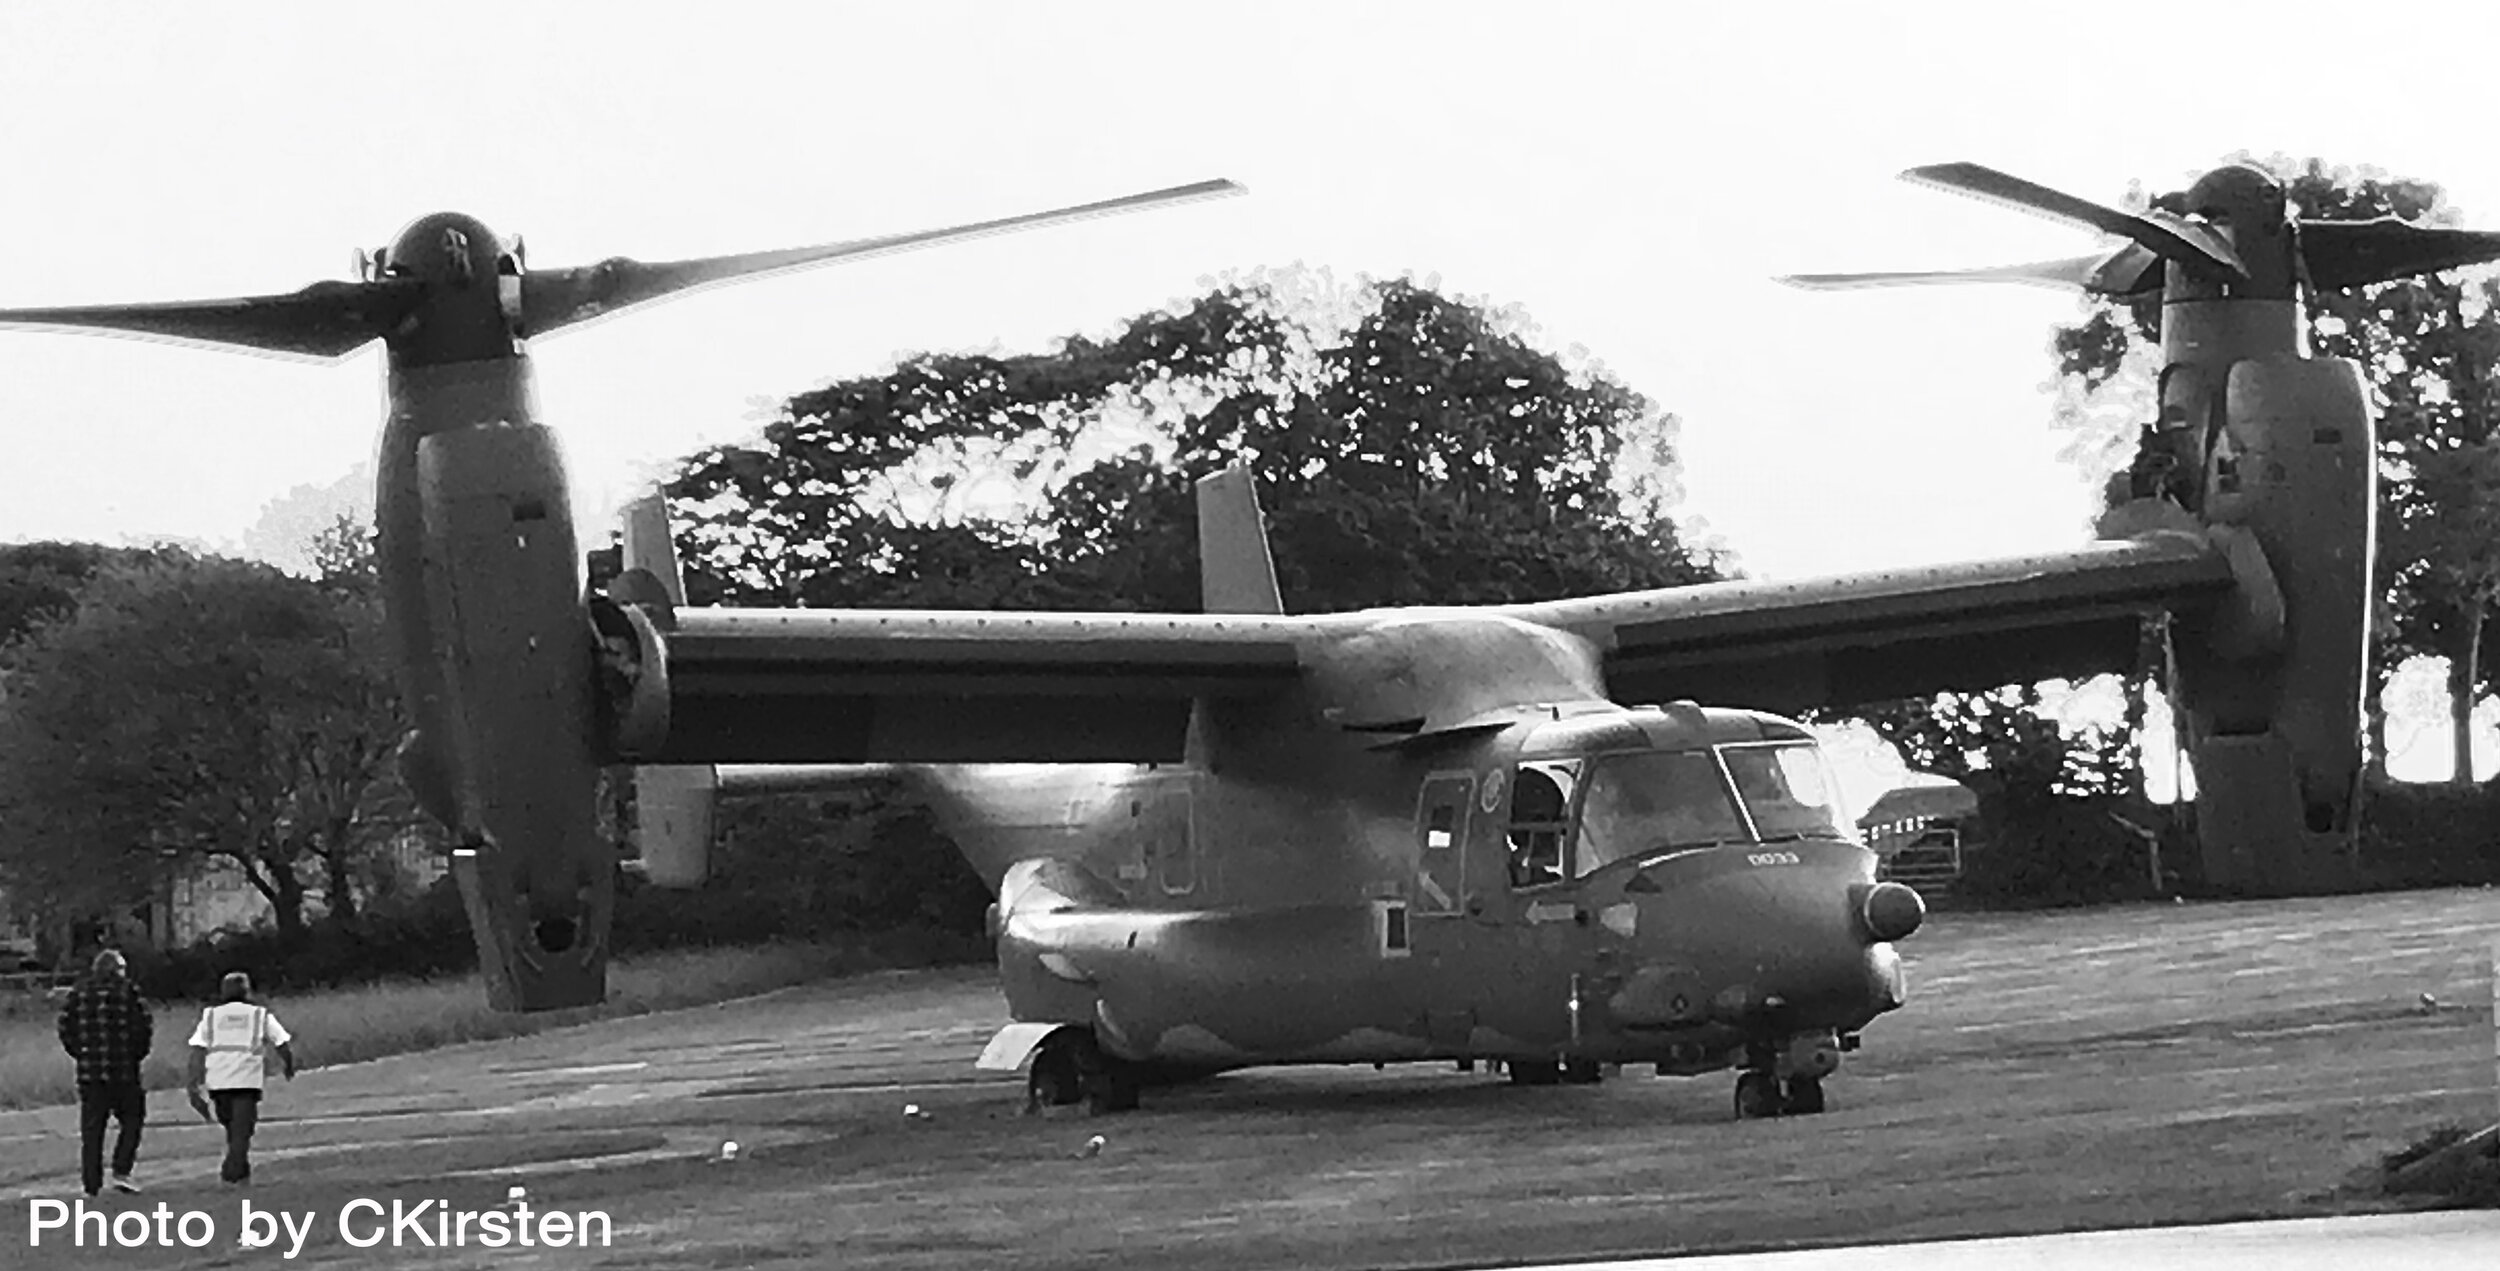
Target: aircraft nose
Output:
[(1803, 944)]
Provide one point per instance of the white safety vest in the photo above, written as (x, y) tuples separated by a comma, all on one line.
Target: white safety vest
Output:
[(241, 1039)]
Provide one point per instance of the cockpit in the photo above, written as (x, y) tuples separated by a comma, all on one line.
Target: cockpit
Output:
[(1571, 815)]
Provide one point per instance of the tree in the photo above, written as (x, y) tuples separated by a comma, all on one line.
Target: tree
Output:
[(196, 710), (2004, 740), (2063, 816), (42, 580), (2429, 349), (1410, 448)]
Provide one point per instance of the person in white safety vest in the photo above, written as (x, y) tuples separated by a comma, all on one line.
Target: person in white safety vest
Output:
[(231, 1053)]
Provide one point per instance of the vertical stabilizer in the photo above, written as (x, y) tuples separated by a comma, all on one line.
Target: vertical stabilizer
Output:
[(1235, 572), (672, 803)]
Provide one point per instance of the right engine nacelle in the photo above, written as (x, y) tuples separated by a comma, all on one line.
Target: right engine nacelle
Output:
[(2277, 735)]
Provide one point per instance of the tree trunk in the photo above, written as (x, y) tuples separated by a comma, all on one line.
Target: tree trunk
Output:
[(2374, 723), (2464, 674), (286, 900), (338, 889)]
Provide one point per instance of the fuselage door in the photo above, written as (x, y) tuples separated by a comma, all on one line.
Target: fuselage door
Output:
[(1176, 840), (1441, 844)]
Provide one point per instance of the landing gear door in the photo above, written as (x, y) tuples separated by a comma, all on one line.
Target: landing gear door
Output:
[(1441, 844)]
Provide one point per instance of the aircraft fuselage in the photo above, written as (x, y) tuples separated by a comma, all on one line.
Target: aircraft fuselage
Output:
[(1587, 882)]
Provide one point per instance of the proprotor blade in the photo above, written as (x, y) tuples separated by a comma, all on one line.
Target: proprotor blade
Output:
[(2351, 253), (2169, 237), (2129, 270), (324, 320), (554, 299)]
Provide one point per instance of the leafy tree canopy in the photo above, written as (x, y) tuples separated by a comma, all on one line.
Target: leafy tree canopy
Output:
[(41, 580), (195, 709), (1409, 447)]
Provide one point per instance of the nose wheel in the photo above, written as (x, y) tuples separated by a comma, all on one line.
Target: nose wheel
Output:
[(1069, 1067), (1760, 1094), (1805, 1097)]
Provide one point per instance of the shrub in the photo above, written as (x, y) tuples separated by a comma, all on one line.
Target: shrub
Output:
[(2053, 851), (2430, 835)]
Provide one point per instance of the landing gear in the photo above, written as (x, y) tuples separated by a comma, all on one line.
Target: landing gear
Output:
[(1069, 1067), (1805, 1096), (1758, 1095), (1055, 1081), (1786, 1079), (1582, 1072), (1112, 1087), (1534, 1072)]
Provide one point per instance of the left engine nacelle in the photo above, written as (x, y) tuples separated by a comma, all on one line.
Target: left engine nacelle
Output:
[(514, 644)]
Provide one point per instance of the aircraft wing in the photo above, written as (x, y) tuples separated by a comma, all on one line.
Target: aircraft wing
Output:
[(1786, 646), (770, 686)]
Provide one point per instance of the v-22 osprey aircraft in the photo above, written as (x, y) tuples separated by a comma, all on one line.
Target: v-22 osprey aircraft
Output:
[(1245, 836)]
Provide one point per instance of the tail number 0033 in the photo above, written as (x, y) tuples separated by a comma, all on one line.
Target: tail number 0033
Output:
[(1771, 858)]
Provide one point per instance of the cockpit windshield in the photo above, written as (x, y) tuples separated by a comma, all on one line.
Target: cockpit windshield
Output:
[(1644, 801), (1641, 802), (1786, 789)]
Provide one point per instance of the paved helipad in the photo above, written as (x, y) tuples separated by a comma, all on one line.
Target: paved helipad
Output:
[(2100, 1069)]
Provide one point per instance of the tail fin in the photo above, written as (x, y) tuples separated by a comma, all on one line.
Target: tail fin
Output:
[(1235, 572), (672, 803)]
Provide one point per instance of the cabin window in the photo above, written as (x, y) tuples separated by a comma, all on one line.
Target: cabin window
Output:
[(1786, 790), (1390, 916), (1645, 801), (1441, 819), (1540, 822)]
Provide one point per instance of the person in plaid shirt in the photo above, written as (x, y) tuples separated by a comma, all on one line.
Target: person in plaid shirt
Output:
[(106, 1028)]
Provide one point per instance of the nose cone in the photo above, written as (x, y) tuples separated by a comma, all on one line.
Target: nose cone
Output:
[(1891, 911), (1741, 937)]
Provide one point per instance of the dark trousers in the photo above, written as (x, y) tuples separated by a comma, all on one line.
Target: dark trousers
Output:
[(99, 1101), (238, 1111)]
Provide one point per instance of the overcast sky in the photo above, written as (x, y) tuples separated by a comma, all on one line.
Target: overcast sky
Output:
[(1632, 175)]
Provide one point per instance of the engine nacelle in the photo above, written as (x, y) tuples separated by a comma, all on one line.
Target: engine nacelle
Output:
[(2276, 733), (503, 591)]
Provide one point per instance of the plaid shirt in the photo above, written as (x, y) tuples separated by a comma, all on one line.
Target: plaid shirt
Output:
[(106, 1028)]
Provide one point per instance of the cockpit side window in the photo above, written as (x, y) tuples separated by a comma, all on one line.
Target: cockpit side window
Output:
[(1644, 801), (1540, 822), (1786, 789)]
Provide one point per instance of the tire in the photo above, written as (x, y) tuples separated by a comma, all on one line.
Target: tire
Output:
[(1535, 1072), (1058, 1076), (1805, 1096), (1111, 1087), (1582, 1072), (1757, 1096)]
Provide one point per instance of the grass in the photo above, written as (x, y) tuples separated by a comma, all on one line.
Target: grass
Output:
[(340, 1026), (2085, 1069)]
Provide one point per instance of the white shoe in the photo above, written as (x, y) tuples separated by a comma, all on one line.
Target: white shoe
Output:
[(122, 1183)]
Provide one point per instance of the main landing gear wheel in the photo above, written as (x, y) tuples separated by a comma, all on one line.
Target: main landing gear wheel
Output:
[(1582, 1072), (1757, 1095), (1535, 1072), (1069, 1067), (1805, 1096), (1057, 1079), (1112, 1086)]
